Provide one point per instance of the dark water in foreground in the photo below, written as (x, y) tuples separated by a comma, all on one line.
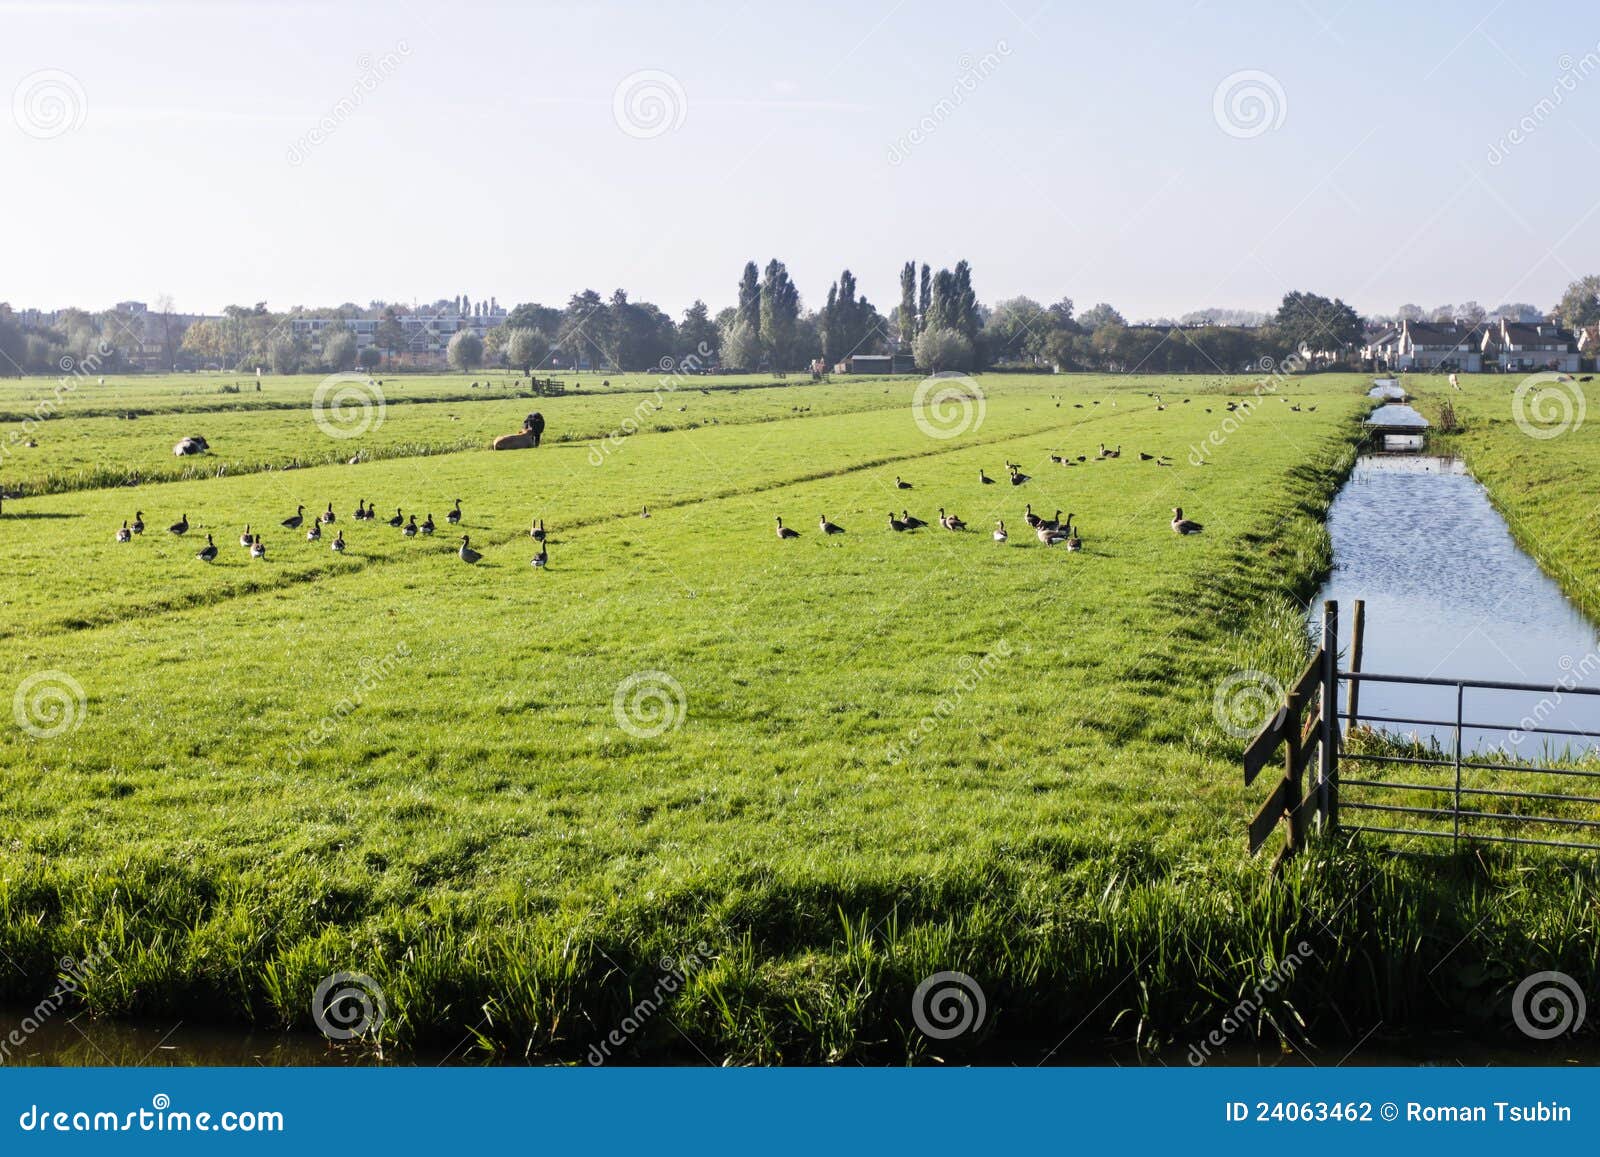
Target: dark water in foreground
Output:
[(1450, 594)]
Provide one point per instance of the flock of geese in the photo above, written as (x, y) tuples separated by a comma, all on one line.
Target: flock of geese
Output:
[(408, 527)]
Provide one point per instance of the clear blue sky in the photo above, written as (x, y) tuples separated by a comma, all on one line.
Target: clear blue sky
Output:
[(1086, 160)]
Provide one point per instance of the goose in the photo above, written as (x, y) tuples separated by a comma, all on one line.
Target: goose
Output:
[(398, 520), (1073, 541), (1143, 457), (207, 552), (427, 525), (901, 485), (466, 552), (912, 522), (337, 545), (1018, 477), (138, 522), (327, 515), (314, 534), (361, 511), (1051, 523), (181, 527), (829, 527), (950, 522), (984, 478), (124, 534), (1000, 532), (1030, 517), (258, 549), (246, 538), (645, 513), (537, 533), (895, 524), (542, 559), (1049, 535), (786, 532), (410, 530), (1182, 525), (294, 522), (454, 517)]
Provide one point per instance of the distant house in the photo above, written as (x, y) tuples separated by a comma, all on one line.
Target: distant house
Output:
[(1514, 346), (1445, 347), (1381, 347), (866, 364)]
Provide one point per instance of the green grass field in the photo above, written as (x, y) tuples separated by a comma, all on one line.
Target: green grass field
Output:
[(813, 772)]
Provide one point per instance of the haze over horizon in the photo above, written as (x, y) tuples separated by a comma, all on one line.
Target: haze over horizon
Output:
[(1161, 157)]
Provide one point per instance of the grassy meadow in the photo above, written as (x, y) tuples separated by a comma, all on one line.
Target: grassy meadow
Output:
[(802, 774)]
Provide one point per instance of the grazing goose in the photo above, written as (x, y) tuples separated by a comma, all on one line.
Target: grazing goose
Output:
[(950, 521), (537, 533), (398, 520), (1017, 476), (829, 527), (246, 538), (207, 552), (180, 527), (1050, 535), (1030, 517), (327, 515), (901, 485), (912, 522), (786, 532), (124, 534), (1058, 459), (895, 524), (1143, 457), (427, 525), (314, 534), (338, 543), (1000, 532), (984, 478), (466, 552), (299, 517), (138, 522), (1182, 525), (410, 530), (542, 559), (454, 517), (258, 548)]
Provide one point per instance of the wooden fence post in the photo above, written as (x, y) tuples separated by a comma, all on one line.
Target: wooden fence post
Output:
[(1291, 775), (1358, 632), (1328, 766)]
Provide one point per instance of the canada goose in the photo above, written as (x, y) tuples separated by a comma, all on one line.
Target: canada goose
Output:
[(466, 552), (950, 522), (1143, 457), (326, 515), (1000, 532), (124, 534), (1073, 541), (912, 522), (427, 525), (454, 517), (1058, 459), (138, 522), (1017, 476), (1049, 535), (895, 524), (786, 532), (644, 513), (410, 530), (829, 527), (1182, 525), (246, 538), (398, 520), (1030, 517), (1051, 523), (293, 523), (314, 534), (181, 526), (543, 557), (361, 511), (207, 552), (901, 485), (338, 543), (536, 533), (258, 549)]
